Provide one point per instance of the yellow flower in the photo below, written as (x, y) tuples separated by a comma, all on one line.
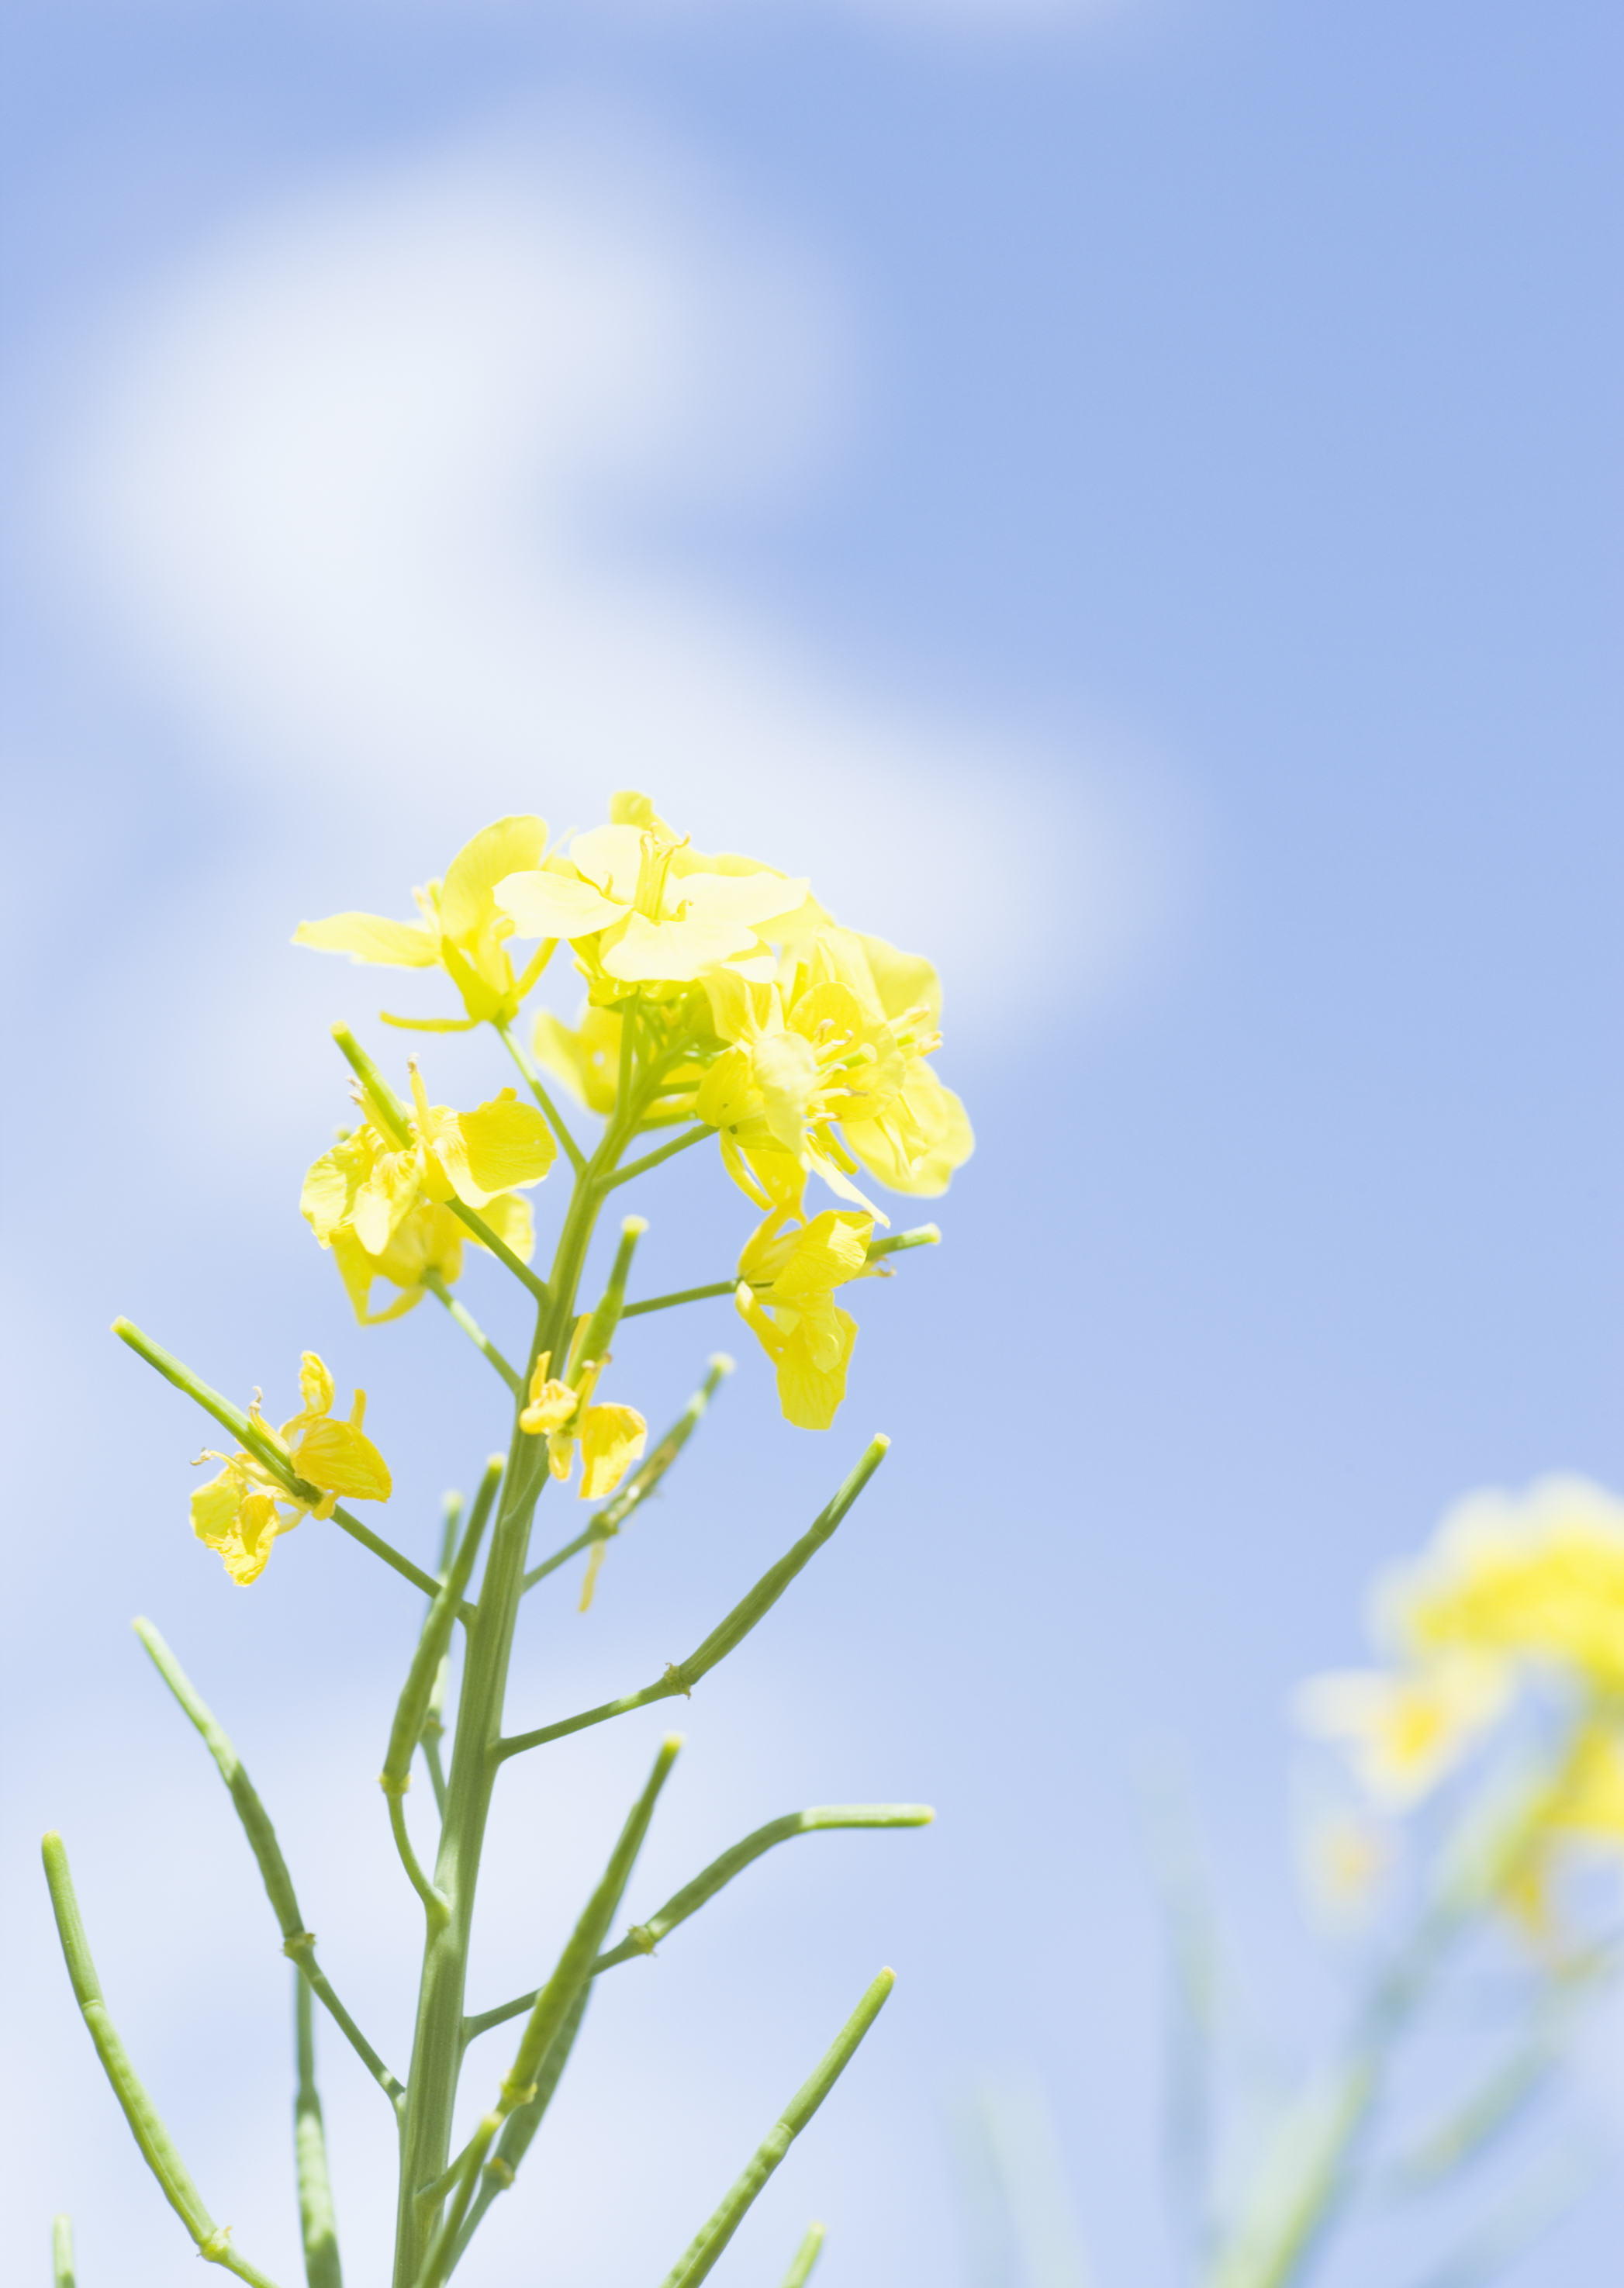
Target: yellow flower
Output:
[(837, 1040), (915, 1138), (369, 1185), (240, 1511), (1538, 1580), (647, 908), (429, 1238), (611, 1438), (463, 931), (797, 1320), (1404, 1731)]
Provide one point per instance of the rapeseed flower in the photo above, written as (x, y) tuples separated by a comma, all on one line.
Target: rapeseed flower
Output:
[(240, 1511), (1536, 1579), (825, 1070), (642, 908), (787, 1279), (367, 1184), (1404, 1731), (463, 931), (611, 1438)]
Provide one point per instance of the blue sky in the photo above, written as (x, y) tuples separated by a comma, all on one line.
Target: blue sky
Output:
[(1128, 497)]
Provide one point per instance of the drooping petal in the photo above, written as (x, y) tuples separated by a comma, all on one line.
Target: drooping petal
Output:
[(611, 1439), (809, 1392), (368, 937)]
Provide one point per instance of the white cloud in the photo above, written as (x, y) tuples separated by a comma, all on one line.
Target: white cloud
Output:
[(361, 486)]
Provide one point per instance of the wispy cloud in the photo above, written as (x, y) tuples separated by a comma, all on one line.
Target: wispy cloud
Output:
[(361, 488)]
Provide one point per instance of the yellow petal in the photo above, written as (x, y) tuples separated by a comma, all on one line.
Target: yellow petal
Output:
[(641, 952), (545, 904), (902, 980), (808, 1394), (941, 1120), (728, 1092), (630, 808), (498, 1146), (328, 1196), (340, 1460), (368, 937), (467, 900), (612, 1438), (315, 1384), (510, 1217), (753, 898)]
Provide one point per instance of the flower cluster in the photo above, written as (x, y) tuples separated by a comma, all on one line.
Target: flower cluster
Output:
[(717, 992), (1518, 1596)]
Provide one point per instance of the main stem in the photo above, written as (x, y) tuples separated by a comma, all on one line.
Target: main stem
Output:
[(436, 2048)]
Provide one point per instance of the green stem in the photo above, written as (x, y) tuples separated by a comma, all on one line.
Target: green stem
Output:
[(684, 1295), (696, 1135), (318, 2227), (719, 2228), (500, 2170), (805, 2257), (613, 1516), (297, 1943), (435, 1283), (572, 1150), (499, 1248), (392, 1557), (554, 2006), (643, 1938), (62, 2253), (682, 1676), (158, 2147), (926, 1236), (434, 1904), (436, 2046)]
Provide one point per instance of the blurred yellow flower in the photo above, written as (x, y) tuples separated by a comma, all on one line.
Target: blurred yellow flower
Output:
[(611, 1438), (797, 1320), (463, 931), (240, 1511), (1404, 1731), (654, 910), (1537, 1579)]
